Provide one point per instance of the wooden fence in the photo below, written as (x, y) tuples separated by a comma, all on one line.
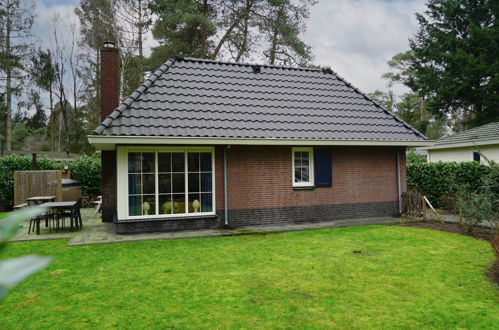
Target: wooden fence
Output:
[(37, 183), (413, 203)]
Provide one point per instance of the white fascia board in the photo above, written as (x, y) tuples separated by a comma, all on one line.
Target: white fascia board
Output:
[(461, 144), (109, 142)]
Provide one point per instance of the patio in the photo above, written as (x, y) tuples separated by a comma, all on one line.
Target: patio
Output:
[(97, 232)]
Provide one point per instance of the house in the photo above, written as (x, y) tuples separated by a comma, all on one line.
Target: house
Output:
[(470, 145), (206, 144)]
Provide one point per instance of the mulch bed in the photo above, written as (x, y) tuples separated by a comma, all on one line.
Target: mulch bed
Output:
[(479, 233)]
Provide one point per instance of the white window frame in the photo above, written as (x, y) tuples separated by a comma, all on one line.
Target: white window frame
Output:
[(311, 178), (122, 181)]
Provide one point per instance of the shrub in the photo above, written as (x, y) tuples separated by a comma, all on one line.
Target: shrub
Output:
[(482, 205), (87, 170), (436, 180), (414, 157), (13, 163)]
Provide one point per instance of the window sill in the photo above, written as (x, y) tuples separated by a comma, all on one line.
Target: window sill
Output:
[(304, 188), (173, 218)]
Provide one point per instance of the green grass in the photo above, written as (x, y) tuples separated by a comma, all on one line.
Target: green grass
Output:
[(404, 278), (4, 214)]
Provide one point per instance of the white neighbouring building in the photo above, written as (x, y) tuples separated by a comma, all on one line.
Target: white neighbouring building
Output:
[(470, 145)]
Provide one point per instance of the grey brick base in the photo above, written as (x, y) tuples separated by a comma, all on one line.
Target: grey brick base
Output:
[(254, 217)]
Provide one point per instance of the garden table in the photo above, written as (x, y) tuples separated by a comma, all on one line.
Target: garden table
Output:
[(63, 209), (39, 199)]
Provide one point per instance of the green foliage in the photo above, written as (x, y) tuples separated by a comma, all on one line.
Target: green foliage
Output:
[(414, 157), (87, 170), (436, 180), (14, 270), (482, 205), (454, 59), (13, 163)]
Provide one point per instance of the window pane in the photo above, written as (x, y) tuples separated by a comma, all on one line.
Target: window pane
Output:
[(194, 182), (164, 162), (148, 184), (297, 174), (178, 203), (149, 205), (148, 162), (193, 161), (194, 203), (206, 203), (165, 183), (135, 205), (206, 182), (134, 184), (134, 162), (178, 180), (304, 175), (178, 162), (205, 161), (165, 204)]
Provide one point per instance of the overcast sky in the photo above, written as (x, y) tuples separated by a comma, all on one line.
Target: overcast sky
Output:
[(354, 37)]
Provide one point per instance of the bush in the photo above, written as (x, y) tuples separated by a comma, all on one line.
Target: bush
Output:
[(85, 169), (414, 157), (482, 205), (436, 180), (13, 163)]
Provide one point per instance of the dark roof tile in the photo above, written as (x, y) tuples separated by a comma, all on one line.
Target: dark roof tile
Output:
[(201, 98)]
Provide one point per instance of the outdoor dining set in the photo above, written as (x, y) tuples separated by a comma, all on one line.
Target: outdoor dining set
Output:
[(56, 215)]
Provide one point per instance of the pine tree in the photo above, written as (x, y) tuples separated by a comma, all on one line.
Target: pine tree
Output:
[(455, 62)]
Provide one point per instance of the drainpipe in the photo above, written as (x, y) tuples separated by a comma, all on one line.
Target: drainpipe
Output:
[(226, 208), (399, 188)]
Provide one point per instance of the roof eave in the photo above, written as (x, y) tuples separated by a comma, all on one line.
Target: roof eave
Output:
[(451, 145), (110, 142)]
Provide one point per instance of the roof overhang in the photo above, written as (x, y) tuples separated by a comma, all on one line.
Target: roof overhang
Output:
[(110, 142), (461, 144)]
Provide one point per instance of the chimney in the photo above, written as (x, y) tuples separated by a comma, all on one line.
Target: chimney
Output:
[(110, 87)]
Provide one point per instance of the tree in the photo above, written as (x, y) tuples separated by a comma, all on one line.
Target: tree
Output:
[(16, 20), (97, 24), (455, 63), (42, 71), (183, 28), (133, 22), (281, 27)]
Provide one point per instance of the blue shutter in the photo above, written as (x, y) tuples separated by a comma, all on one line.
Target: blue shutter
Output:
[(323, 168)]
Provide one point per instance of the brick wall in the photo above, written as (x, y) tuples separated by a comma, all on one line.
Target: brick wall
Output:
[(260, 177), (108, 163), (109, 81), (260, 189)]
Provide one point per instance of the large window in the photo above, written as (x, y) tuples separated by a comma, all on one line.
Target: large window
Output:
[(165, 182), (303, 167)]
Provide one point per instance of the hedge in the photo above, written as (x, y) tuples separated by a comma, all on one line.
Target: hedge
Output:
[(436, 180), (85, 169)]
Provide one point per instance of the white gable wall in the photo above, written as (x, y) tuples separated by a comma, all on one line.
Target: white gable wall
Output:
[(464, 154)]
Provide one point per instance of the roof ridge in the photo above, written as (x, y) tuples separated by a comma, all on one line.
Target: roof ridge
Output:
[(298, 68), (151, 79)]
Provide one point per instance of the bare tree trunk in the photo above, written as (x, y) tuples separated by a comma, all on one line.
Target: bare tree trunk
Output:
[(9, 81), (224, 37), (422, 107), (51, 118), (204, 34), (244, 44)]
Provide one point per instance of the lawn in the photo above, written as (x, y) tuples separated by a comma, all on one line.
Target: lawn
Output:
[(4, 214), (402, 277)]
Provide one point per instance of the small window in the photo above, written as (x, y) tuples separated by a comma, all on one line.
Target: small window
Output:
[(303, 167), (476, 156)]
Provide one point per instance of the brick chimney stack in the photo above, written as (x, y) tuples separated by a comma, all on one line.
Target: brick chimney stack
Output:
[(110, 81)]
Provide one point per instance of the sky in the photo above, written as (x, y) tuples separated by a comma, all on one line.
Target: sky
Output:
[(355, 38)]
